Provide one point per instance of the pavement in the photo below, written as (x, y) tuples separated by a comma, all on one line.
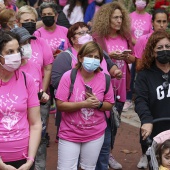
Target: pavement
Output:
[(126, 150)]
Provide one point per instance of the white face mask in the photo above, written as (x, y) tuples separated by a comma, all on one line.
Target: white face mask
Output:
[(12, 62), (27, 51)]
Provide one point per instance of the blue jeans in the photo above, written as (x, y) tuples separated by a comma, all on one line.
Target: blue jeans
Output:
[(103, 159)]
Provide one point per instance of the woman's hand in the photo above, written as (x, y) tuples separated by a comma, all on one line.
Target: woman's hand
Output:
[(92, 101), (118, 74), (45, 97), (146, 130), (117, 55)]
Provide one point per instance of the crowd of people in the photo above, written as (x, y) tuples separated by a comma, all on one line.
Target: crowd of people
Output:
[(80, 59)]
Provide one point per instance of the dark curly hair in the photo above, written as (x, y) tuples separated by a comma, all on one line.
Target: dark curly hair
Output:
[(72, 4), (148, 57)]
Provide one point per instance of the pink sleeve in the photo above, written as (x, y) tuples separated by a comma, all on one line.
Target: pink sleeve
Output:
[(32, 92), (64, 87), (37, 33), (139, 48), (47, 52), (109, 96)]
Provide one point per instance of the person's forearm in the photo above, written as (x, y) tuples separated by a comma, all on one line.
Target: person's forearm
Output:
[(2, 165), (70, 106), (35, 137), (106, 106), (47, 76)]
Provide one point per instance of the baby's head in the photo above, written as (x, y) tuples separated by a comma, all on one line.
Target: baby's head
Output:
[(163, 154)]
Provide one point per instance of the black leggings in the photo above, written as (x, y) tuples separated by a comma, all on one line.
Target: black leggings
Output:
[(19, 163)]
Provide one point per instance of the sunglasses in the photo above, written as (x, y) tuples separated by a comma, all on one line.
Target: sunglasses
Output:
[(165, 83)]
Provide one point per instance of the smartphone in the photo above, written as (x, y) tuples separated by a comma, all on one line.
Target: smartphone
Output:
[(127, 51), (88, 89)]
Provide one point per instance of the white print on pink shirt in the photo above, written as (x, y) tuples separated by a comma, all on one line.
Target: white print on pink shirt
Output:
[(34, 57), (54, 43), (139, 27), (10, 115)]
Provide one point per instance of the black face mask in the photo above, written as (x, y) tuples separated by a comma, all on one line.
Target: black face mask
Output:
[(48, 20), (163, 56), (30, 26)]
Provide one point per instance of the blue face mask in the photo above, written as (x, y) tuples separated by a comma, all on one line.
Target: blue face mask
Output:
[(90, 64)]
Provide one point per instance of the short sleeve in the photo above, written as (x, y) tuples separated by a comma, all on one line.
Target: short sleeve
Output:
[(109, 96), (32, 92), (64, 86), (47, 52)]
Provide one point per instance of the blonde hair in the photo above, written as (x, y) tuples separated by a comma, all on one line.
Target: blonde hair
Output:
[(26, 9), (88, 48), (101, 21)]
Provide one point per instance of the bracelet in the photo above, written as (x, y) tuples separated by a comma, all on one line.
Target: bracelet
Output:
[(100, 105), (29, 157)]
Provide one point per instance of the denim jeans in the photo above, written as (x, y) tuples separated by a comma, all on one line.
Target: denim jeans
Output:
[(103, 159)]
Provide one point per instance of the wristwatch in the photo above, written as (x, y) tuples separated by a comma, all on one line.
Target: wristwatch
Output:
[(100, 105)]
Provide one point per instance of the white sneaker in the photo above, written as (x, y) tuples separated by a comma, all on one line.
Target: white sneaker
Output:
[(128, 105), (113, 163), (143, 163)]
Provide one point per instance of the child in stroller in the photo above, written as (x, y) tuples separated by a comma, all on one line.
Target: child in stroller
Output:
[(158, 153), (163, 155)]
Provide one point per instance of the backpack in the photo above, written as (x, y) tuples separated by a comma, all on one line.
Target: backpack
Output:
[(73, 77)]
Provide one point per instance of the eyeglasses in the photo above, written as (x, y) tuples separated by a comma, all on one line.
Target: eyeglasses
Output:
[(83, 32), (165, 83)]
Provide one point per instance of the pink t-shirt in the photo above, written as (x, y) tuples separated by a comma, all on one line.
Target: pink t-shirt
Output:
[(141, 24), (35, 71), (41, 52), (140, 45), (118, 44), (86, 124), (54, 38), (15, 98)]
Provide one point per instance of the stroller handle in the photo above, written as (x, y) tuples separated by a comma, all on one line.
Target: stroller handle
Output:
[(163, 119)]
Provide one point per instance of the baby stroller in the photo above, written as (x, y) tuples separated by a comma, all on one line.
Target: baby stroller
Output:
[(160, 138)]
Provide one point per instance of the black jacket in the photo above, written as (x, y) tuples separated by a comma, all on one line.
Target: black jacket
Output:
[(152, 100)]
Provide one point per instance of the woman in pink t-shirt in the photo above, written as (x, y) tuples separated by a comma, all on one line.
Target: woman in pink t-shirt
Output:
[(54, 34), (141, 22), (83, 120), (20, 122), (111, 29)]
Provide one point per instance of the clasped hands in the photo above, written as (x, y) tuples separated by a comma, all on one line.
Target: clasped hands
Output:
[(92, 101)]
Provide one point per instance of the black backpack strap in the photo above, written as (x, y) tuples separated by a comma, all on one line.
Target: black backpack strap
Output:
[(108, 79), (72, 78), (25, 79)]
